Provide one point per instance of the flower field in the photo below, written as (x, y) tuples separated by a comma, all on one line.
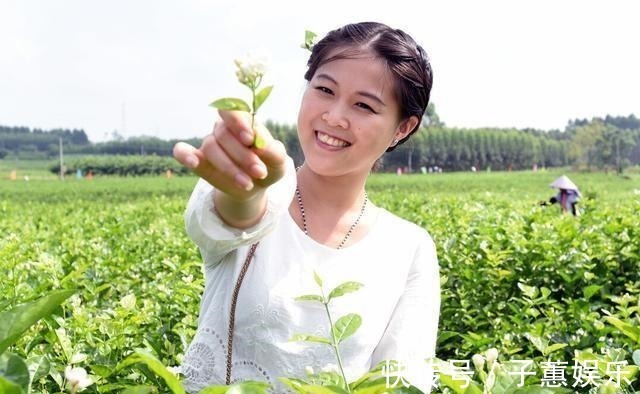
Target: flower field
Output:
[(516, 277)]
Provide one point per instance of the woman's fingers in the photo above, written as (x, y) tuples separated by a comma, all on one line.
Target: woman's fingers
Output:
[(222, 164), (240, 154), (274, 153), (186, 154), (228, 160), (239, 124)]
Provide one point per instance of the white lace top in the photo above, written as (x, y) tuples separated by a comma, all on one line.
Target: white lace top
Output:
[(399, 302)]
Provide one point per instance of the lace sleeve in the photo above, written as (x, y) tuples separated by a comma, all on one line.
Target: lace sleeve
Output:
[(215, 238)]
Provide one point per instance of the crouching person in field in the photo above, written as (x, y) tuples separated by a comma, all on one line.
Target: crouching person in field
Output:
[(568, 195)]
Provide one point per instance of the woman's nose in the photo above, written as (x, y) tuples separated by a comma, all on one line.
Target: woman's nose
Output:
[(335, 116)]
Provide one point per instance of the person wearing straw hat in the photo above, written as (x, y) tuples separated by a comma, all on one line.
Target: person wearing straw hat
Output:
[(568, 195)]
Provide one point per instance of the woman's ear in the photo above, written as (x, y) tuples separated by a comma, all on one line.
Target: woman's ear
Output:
[(404, 128)]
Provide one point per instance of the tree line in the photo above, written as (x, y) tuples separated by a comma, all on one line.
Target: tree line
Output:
[(612, 142)]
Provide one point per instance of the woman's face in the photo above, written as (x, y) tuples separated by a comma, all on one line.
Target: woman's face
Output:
[(349, 116)]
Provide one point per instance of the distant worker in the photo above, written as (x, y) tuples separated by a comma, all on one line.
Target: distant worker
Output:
[(568, 195)]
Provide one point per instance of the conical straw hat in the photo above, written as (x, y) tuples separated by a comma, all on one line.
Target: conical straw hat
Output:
[(564, 183)]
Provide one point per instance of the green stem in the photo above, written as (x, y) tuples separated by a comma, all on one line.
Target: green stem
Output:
[(253, 106), (334, 343)]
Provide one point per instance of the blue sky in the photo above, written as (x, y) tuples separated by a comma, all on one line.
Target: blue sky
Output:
[(152, 67)]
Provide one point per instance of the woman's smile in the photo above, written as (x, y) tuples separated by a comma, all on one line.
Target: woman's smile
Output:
[(331, 142)]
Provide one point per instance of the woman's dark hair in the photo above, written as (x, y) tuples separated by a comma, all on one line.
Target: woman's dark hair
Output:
[(406, 60)]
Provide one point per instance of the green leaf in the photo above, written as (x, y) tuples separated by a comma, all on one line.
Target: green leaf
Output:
[(246, 387), (310, 297), (156, 366), (295, 384), (590, 291), (373, 389), (65, 343), (309, 38), (443, 336), (317, 278), (139, 390), (261, 96), (14, 322), (309, 338), (545, 292), (101, 370), (8, 387), (231, 104), (344, 288), (537, 341), (552, 348), (316, 389), (529, 291), (626, 328), (346, 326), (456, 384), (14, 370), (39, 366)]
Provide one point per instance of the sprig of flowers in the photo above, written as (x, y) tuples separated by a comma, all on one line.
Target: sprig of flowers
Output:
[(250, 71)]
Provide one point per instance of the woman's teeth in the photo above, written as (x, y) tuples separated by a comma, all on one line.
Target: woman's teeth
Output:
[(327, 139)]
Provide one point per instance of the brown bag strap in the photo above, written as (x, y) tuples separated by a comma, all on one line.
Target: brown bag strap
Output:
[(234, 301)]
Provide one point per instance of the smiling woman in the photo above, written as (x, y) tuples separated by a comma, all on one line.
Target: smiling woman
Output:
[(263, 225)]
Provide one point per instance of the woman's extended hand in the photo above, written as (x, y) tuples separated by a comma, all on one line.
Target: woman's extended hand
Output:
[(228, 160)]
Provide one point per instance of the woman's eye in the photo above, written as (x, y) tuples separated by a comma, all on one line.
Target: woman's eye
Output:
[(324, 89), (365, 106)]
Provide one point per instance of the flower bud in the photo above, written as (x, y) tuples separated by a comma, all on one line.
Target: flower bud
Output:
[(478, 361), (77, 378), (492, 356), (250, 69)]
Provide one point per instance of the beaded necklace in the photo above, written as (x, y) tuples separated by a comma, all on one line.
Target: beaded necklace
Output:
[(353, 226)]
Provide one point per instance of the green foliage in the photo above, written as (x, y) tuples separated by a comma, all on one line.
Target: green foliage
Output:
[(156, 366), (14, 374), (522, 278), (15, 321), (120, 165)]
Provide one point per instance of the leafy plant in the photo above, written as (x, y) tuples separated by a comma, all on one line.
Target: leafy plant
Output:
[(342, 329), (14, 322), (250, 73)]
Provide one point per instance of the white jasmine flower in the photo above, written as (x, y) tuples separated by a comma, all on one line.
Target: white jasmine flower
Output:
[(492, 355), (478, 361), (77, 378), (250, 69)]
